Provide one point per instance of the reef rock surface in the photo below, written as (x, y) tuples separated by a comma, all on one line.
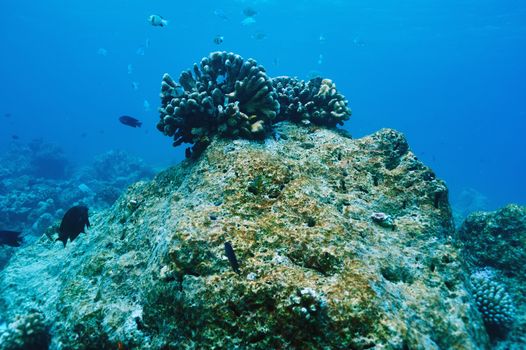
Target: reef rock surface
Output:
[(341, 244), (495, 242)]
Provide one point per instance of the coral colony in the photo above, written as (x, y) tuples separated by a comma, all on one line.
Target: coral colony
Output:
[(231, 97)]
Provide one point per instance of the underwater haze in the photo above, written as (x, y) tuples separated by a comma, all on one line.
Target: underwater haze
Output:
[(448, 74)]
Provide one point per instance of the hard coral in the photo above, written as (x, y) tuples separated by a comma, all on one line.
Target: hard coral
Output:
[(231, 97), (493, 301), (27, 332), (316, 101), (224, 95)]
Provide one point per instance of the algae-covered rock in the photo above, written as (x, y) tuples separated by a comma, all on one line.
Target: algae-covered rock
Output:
[(316, 271), (497, 239), (495, 243)]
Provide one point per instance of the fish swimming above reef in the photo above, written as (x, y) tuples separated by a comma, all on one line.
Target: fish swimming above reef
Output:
[(10, 238), (218, 39), (73, 223), (231, 255), (130, 121), (157, 21)]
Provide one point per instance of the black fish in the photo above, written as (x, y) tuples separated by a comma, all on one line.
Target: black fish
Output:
[(73, 223), (249, 12), (130, 121), (231, 255), (10, 238)]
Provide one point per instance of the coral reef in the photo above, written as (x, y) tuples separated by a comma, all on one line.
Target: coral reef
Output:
[(315, 272), (316, 101), (31, 203), (118, 168), (224, 95), (48, 160), (38, 159), (27, 332)]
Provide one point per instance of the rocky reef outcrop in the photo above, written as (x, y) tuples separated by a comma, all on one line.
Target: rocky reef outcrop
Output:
[(341, 244), (494, 247)]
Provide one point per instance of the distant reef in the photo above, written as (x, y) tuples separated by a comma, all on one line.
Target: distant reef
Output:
[(341, 244), (38, 183)]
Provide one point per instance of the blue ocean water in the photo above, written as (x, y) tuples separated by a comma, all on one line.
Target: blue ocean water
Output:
[(449, 74)]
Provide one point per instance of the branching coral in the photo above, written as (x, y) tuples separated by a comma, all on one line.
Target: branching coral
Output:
[(224, 95), (231, 97), (316, 101)]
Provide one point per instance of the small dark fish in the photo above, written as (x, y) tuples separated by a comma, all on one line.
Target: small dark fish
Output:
[(130, 121), (249, 12), (7, 115), (218, 39), (15, 137), (259, 36), (10, 238), (231, 255), (73, 223)]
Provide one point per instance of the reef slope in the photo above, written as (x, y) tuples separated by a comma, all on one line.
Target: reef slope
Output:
[(316, 271)]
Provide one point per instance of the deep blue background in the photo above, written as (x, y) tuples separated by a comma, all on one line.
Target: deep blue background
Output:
[(449, 74)]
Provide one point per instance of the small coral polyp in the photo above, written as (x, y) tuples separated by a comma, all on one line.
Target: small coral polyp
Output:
[(229, 96), (224, 95)]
